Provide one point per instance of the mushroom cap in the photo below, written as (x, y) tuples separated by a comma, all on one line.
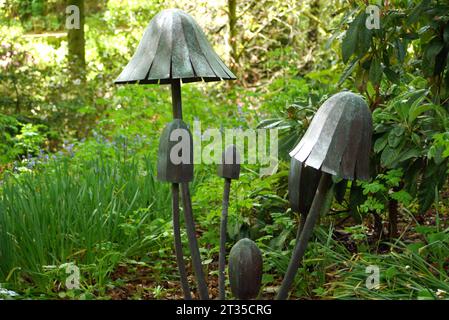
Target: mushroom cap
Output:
[(230, 163), (338, 140), (302, 184), (173, 46)]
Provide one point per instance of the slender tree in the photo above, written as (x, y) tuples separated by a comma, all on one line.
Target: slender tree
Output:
[(312, 33), (232, 16), (76, 43)]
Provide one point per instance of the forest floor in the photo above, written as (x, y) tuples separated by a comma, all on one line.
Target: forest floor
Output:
[(142, 281)]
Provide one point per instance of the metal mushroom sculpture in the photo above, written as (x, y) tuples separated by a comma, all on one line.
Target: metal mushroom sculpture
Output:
[(302, 184), (245, 269), (337, 143), (174, 49), (229, 169)]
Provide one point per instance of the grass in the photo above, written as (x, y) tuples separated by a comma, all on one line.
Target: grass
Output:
[(414, 270), (411, 269), (91, 212), (102, 210)]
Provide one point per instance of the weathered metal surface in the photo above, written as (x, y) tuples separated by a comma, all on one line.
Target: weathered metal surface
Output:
[(178, 243), (307, 230), (193, 243), (223, 230), (245, 269), (176, 99), (230, 163), (166, 169), (302, 184), (338, 140), (174, 47), (229, 168)]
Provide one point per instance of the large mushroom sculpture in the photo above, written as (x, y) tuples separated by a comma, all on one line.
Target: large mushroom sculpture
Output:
[(337, 143), (174, 49)]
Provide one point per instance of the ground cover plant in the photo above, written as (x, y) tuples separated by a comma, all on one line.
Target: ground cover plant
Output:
[(79, 198)]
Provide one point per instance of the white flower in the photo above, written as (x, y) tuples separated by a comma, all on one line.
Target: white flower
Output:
[(10, 293), (440, 293)]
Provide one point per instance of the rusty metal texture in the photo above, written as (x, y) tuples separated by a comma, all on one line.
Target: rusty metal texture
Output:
[(302, 184), (338, 140), (174, 47), (230, 163), (166, 169)]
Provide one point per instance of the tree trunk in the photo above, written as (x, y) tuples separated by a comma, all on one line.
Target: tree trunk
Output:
[(232, 15), (76, 45), (312, 33)]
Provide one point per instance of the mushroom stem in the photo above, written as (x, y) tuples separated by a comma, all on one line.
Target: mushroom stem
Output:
[(194, 250), (176, 98), (302, 222), (300, 248), (178, 243), (190, 224), (223, 226)]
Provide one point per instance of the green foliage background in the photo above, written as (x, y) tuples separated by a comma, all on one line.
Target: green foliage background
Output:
[(77, 158)]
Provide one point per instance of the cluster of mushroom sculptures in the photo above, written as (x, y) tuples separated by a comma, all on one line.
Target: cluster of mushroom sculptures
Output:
[(337, 143)]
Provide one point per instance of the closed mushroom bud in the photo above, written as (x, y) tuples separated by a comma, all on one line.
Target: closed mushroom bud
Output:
[(245, 269), (182, 148), (229, 167)]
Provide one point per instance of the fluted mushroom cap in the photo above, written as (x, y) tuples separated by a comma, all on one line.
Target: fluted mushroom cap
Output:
[(173, 46), (230, 163), (338, 140)]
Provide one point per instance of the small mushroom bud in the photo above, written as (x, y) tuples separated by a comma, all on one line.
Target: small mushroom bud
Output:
[(230, 163), (245, 269), (175, 157)]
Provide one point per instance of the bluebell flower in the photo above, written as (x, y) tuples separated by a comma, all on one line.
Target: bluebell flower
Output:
[(240, 109), (69, 149), (30, 164)]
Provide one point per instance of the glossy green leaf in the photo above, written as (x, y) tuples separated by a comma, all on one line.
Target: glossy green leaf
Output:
[(357, 39), (418, 110), (349, 43), (430, 53), (396, 136), (347, 72), (408, 154), (389, 156), (391, 75), (375, 71), (380, 143)]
